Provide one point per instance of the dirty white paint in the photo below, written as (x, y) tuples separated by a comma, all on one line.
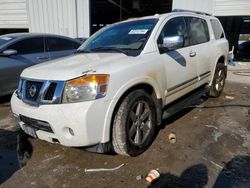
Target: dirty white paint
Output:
[(13, 14), (215, 7)]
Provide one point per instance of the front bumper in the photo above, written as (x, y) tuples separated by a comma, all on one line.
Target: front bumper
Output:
[(85, 119)]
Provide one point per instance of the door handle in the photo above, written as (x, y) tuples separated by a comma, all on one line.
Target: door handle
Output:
[(192, 54), (42, 58)]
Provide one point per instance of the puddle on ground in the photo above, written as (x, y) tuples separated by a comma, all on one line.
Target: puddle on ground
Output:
[(8, 164), (236, 173)]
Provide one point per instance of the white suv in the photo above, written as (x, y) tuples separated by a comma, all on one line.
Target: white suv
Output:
[(123, 81)]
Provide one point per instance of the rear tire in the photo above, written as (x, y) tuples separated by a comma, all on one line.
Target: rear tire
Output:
[(134, 124), (218, 81)]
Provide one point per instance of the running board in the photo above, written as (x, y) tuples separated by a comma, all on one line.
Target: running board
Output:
[(184, 102)]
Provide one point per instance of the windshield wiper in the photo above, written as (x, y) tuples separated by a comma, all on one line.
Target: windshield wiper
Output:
[(109, 49)]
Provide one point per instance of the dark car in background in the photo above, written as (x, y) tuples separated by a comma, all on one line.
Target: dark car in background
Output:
[(19, 51), (243, 51)]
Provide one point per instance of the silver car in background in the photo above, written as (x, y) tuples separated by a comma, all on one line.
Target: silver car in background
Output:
[(19, 51)]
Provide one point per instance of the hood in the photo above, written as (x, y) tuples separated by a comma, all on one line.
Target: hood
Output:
[(74, 66)]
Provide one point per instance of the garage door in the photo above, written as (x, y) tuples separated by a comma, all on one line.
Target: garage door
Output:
[(13, 14)]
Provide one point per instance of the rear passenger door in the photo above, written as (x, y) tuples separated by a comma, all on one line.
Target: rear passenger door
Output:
[(200, 47), (59, 47)]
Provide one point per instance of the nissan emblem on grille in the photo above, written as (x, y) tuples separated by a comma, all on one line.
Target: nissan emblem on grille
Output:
[(32, 90)]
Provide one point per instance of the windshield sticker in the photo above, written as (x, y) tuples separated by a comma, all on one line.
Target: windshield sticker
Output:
[(138, 32), (6, 38)]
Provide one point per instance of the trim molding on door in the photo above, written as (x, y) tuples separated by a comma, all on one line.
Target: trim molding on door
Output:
[(188, 83)]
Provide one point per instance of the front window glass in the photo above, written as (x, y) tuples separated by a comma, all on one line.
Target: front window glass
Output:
[(5, 39), (28, 46), (125, 36), (174, 27)]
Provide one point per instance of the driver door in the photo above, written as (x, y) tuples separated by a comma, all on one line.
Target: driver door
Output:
[(180, 64)]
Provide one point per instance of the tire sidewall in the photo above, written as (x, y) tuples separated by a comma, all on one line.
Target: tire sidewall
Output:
[(132, 149), (137, 149), (214, 92)]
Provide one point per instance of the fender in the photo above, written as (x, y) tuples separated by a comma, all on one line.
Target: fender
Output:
[(125, 87)]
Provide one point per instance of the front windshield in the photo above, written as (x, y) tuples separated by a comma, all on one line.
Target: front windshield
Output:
[(130, 35)]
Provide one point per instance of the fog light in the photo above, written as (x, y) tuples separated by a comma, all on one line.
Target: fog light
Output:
[(71, 132)]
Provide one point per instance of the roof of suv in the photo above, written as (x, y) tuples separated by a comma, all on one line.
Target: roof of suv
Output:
[(174, 12)]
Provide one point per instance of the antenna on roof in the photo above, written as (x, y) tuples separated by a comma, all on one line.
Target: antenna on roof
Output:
[(192, 11)]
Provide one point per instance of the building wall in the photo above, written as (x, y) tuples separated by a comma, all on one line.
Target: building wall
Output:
[(13, 14), (231, 7), (64, 17), (216, 7), (197, 5)]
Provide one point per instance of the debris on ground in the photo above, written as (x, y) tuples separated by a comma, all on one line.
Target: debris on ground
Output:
[(229, 97), (103, 169), (172, 138), (152, 176), (244, 64), (138, 178), (211, 126)]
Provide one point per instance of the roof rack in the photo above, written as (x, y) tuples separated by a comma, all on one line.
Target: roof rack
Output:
[(192, 11)]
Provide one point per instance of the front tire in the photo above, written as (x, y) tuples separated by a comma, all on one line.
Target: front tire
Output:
[(218, 81), (134, 124)]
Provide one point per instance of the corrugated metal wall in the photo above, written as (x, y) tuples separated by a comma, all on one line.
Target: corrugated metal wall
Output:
[(231, 7), (216, 7), (13, 14), (64, 17), (197, 5)]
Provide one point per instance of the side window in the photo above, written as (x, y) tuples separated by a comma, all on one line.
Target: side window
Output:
[(29, 46), (174, 27), (58, 44), (198, 30), (218, 31)]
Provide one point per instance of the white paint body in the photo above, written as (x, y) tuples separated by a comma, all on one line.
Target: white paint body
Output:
[(91, 121)]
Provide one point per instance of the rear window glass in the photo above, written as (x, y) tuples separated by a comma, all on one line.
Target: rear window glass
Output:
[(218, 31), (198, 30), (59, 44)]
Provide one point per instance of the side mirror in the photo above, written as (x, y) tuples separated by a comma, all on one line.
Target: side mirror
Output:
[(9, 52), (172, 43)]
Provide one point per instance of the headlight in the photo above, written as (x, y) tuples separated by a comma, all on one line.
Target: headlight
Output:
[(85, 88)]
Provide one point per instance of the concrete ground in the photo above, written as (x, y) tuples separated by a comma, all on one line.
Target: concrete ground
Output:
[(212, 150)]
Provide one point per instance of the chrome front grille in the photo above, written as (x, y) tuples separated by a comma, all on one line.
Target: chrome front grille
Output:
[(32, 90), (50, 92), (36, 92)]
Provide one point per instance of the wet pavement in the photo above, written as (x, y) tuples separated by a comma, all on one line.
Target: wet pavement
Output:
[(212, 149)]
